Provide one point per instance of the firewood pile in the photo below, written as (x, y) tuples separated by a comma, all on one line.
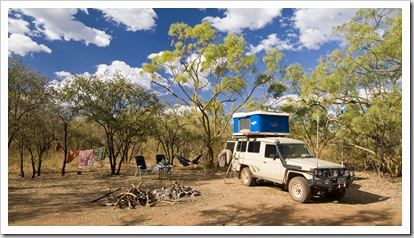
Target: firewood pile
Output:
[(136, 196)]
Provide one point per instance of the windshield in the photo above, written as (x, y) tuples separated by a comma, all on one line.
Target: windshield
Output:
[(294, 151)]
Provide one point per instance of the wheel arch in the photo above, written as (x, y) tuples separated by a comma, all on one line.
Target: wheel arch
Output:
[(289, 175), (242, 166)]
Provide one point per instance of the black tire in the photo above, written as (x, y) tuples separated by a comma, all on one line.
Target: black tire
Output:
[(299, 190), (336, 194), (246, 177)]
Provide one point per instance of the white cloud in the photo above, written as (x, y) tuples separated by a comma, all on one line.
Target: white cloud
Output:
[(272, 41), (237, 19), (124, 69), (315, 25), (22, 45), (132, 73), (134, 19), (18, 26), (60, 24), (150, 56)]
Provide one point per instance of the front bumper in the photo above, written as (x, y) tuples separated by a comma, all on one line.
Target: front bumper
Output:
[(332, 178)]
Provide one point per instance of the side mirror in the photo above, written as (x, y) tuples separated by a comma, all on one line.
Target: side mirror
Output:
[(274, 156)]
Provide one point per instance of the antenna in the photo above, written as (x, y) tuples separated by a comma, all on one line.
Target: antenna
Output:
[(343, 129), (317, 140)]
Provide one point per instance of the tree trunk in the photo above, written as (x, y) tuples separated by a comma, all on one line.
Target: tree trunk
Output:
[(39, 165), (33, 166), (210, 157), (112, 160), (65, 147), (21, 163), (125, 154)]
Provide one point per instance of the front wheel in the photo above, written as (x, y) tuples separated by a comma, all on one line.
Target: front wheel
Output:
[(299, 190), (246, 177)]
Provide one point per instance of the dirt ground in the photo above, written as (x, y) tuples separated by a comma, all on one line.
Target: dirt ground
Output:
[(53, 200)]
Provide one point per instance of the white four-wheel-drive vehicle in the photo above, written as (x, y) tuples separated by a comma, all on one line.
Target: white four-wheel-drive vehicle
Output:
[(259, 155), (288, 162)]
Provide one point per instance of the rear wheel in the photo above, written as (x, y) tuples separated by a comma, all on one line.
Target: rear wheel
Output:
[(336, 194), (246, 177), (299, 190)]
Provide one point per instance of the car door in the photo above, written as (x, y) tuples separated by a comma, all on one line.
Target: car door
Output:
[(272, 166), (253, 158)]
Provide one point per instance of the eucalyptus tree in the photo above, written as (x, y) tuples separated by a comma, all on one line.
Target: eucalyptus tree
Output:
[(63, 105), (116, 105), (41, 131), (136, 125), (366, 78), (213, 76), (26, 94), (175, 131)]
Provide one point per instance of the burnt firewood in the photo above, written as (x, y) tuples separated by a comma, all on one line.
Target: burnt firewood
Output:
[(135, 196)]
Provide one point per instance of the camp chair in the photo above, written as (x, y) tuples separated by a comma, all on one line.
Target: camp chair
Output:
[(186, 162), (160, 158), (141, 165), (162, 165)]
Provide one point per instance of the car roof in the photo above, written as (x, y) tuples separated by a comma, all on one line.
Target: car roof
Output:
[(283, 140)]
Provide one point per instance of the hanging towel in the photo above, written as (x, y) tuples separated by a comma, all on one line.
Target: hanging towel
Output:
[(71, 155), (86, 158), (99, 153)]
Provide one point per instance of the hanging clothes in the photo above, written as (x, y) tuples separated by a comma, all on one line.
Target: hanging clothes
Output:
[(99, 153), (71, 155), (86, 158), (58, 146)]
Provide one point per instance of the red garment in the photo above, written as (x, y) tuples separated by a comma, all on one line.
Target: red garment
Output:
[(58, 146), (72, 155)]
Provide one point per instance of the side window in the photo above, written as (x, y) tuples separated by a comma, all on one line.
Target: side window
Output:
[(254, 146), (241, 146), (270, 151)]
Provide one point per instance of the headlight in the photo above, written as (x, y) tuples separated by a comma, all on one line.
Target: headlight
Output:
[(346, 173), (335, 173)]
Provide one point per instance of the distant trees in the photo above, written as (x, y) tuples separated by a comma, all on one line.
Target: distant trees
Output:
[(122, 109), (177, 132), (42, 114)]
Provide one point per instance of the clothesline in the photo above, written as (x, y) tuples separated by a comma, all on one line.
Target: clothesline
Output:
[(86, 157)]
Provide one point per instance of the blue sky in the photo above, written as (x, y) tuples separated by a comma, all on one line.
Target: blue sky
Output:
[(82, 39), (100, 37), (60, 41)]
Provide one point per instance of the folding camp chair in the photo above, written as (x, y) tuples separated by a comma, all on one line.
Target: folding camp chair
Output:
[(141, 166), (160, 158), (162, 165)]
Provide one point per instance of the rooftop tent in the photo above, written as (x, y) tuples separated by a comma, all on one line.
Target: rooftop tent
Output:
[(261, 123)]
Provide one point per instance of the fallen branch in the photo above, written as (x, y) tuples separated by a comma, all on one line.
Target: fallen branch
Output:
[(106, 195)]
